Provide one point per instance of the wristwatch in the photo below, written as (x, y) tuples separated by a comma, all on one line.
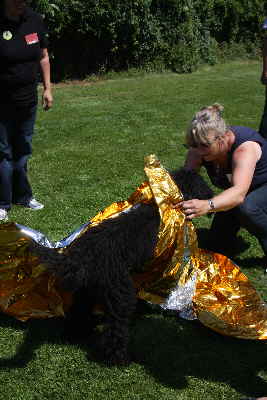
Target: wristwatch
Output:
[(212, 206)]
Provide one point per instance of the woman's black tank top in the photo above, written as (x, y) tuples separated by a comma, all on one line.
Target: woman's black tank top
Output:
[(242, 134)]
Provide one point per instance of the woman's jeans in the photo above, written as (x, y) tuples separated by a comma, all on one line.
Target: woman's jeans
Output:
[(16, 130), (251, 215)]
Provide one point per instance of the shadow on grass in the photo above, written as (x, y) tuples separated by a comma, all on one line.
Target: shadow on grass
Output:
[(170, 350), (35, 333), (173, 351)]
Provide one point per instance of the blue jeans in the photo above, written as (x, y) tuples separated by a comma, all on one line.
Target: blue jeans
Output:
[(16, 130), (251, 215)]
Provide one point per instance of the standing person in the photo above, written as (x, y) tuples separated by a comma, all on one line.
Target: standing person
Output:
[(235, 158), (23, 50), (263, 124)]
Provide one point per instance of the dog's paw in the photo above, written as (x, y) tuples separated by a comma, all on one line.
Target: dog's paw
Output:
[(119, 360)]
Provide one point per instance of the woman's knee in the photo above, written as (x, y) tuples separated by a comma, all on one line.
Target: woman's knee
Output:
[(253, 217), (249, 208)]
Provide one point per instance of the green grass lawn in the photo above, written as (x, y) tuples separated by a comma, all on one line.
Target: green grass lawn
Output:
[(88, 152)]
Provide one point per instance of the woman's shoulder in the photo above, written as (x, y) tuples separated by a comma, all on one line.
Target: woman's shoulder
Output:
[(244, 134), (239, 129)]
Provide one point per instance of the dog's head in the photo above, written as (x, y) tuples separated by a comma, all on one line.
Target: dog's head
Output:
[(191, 184)]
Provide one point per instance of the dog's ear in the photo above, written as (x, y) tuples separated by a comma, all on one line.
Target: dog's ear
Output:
[(191, 184)]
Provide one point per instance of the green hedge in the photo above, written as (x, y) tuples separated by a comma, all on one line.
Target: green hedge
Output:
[(99, 35)]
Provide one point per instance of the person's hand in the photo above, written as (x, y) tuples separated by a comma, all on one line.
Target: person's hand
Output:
[(47, 100), (193, 208), (264, 78)]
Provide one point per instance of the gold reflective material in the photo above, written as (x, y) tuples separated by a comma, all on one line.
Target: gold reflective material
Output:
[(26, 289), (223, 299), (172, 263), (226, 301)]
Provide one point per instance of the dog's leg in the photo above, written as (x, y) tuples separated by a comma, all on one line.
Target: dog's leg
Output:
[(120, 301), (78, 324)]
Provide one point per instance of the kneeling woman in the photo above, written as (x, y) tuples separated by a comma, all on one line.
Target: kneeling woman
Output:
[(235, 158)]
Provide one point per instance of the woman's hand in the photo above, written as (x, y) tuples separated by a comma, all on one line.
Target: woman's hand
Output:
[(193, 208), (47, 99)]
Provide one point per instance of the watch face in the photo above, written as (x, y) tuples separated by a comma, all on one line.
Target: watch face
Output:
[(7, 35)]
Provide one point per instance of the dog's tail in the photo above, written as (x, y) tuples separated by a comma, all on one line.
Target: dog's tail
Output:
[(55, 260)]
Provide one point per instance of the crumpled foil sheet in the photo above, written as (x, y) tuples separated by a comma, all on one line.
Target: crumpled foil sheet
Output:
[(181, 299), (181, 277)]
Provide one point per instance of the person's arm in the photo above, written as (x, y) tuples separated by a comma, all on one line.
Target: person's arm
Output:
[(245, 158), (47, 98), (193, 160), (244, 163)]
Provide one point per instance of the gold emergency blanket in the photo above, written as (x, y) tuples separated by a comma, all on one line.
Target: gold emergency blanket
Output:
[(180, 274), (26, 289)]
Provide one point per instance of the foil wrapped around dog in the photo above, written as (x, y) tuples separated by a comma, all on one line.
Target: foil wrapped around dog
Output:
[(181, 277)]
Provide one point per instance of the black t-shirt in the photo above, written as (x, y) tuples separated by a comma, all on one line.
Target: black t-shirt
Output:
[(20, 52)]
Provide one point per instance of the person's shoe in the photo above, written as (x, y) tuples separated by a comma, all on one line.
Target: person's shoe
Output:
[(3, 215), (33, 204)]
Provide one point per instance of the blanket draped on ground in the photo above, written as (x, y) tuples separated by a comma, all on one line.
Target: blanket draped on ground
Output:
[(181, 277)]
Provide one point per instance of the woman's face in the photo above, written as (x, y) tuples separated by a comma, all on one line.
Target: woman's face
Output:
[(214, 149), (15, 7)]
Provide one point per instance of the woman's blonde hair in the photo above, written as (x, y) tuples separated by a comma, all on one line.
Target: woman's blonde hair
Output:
[(208, 118)]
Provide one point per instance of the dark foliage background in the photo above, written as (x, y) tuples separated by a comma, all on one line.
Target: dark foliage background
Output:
[(95, 36)]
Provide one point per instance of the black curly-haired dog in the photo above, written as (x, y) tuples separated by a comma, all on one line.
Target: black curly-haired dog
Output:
[(96, 267)]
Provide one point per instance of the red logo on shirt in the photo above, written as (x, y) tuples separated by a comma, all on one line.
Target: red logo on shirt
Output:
[(32, 38)]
